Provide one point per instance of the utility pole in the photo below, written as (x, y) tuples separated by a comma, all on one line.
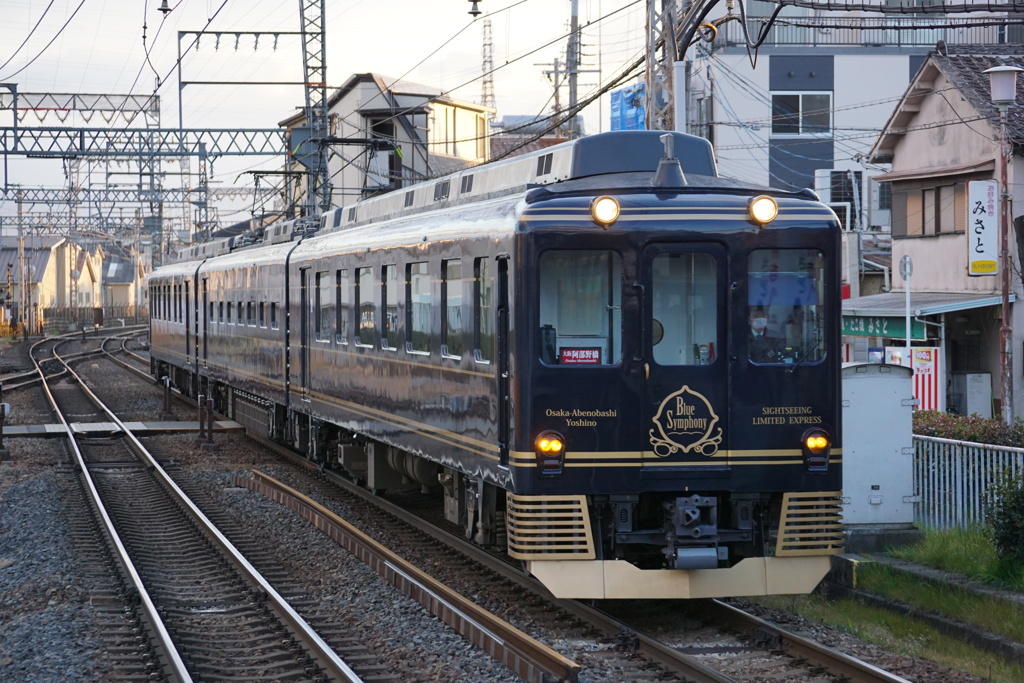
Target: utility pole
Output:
[(573, 67), (659, 78), (555, 76), (23, 305)]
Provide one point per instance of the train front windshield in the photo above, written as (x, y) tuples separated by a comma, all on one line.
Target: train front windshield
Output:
[(785, 306)]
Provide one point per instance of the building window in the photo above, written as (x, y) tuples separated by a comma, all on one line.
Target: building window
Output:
[(885, 196), (801, 113)]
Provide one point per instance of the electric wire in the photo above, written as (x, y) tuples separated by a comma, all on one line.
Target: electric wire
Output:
[(45, 47), (29, 36)]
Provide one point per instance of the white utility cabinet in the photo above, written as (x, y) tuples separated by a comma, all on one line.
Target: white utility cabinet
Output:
[(878, 449)]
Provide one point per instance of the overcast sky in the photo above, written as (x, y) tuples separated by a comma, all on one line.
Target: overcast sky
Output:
[(125, 46)]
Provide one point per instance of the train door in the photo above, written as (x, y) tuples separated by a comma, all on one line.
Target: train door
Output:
[(684, 348), (189, 333), (203, 328), (304, 318), (504, 371)]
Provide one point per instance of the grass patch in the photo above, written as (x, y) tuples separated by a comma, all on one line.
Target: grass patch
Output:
[(898, 634), (992, 614), (965, 551)]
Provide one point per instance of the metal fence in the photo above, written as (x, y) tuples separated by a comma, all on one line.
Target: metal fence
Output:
[(62, 319), (953, 478)]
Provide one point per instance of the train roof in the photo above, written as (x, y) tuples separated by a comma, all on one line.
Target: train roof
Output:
[(615, 161), (596, 156)]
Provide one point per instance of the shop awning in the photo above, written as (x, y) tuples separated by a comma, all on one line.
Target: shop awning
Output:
[(884, 315)]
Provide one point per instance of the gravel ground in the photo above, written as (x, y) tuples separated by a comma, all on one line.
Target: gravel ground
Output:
[(46, 627), (416, 645)]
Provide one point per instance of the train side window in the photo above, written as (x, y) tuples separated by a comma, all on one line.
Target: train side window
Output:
[(366, 306), (684, 305), (250, 313), (451, 299), (220, 306), (263, 314), (580, 307), (273, 315), (418, 312), (785, 306), (483, 311), (324, 300), (213, 316), (341, 301), (231, 315), (389, 307)]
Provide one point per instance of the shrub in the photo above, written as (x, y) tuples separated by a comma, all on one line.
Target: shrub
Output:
[(968, 428), (1004, 509)]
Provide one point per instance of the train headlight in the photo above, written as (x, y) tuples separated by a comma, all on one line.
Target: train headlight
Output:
[(817, 446), (605, 210), (550, 450), (762, 210)]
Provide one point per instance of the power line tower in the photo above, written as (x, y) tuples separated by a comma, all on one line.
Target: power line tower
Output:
[(314, 63), (487, 83)]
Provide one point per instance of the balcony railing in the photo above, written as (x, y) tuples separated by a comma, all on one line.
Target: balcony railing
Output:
[(895, 31)]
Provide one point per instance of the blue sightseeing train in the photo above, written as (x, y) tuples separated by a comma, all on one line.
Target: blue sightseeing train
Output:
[(616, 365)]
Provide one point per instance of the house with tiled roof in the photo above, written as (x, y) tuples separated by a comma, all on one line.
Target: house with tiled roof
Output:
[(942, 141)]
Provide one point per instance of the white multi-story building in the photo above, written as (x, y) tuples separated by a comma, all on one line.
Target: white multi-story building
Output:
[(805, 108)]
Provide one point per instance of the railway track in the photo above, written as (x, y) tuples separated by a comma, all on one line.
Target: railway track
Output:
[(596, 641), (746, 642), (206, 613)]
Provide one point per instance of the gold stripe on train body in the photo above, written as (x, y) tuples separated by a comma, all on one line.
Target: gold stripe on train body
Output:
[(649, 459)]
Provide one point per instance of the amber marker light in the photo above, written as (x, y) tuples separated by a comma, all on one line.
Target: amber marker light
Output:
[(605, 210), (763, 209), (816, 447), (550, 449)]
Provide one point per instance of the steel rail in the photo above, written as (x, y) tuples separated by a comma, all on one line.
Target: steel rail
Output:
[(324, 654), (836, 662), (174, 664), (666, 655), (527, 657), (659, 652)]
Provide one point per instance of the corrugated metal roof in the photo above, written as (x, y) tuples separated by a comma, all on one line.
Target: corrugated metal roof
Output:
[(37, 260), (893, 304)]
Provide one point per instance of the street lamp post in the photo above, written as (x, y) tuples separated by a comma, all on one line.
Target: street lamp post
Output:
[(1003, 82)]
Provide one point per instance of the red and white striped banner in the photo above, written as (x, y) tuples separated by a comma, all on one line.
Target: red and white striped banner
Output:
[(929, 374), (929, 383)]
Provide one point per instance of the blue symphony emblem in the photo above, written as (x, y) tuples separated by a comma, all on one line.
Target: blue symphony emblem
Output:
[(685, 422)]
